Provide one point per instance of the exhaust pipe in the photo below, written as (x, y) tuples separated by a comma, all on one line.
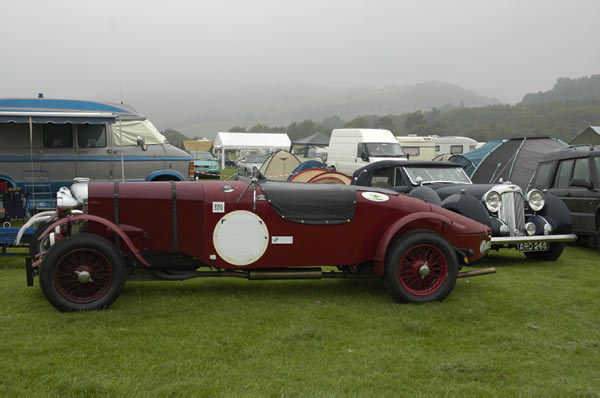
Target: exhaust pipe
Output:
[(308, 273), (477, 272)]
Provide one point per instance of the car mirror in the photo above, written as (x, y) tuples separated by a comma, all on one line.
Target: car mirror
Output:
[(364, 156), (580, 182), (140, 141)]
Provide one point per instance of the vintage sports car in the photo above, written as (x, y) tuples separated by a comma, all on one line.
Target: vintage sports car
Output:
[(537, 223), (254, 230)]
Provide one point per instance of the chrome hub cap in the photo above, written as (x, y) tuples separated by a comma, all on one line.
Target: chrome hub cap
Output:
[(84, 276), (424, 271)]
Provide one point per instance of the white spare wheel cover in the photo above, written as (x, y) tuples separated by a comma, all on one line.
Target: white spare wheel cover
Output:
[(241, 237)]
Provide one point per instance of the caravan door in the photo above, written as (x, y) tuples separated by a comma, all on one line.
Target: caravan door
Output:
[(94, 157), (57, 154)]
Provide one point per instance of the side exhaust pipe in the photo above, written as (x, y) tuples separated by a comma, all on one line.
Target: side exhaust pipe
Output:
[(477, 272)]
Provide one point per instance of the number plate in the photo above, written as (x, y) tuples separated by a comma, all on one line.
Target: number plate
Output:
[(533, 246)]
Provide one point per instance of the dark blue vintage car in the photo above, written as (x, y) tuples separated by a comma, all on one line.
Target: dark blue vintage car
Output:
[(536, 223)]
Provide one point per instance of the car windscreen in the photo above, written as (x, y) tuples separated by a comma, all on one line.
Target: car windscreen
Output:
[(257, 158), (203, 156), (384, 149), (429, 175)]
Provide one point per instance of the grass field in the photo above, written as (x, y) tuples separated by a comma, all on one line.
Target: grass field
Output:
[(530, 329)]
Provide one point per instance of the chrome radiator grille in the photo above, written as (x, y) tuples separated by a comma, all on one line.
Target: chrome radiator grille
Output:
[(512, 212)]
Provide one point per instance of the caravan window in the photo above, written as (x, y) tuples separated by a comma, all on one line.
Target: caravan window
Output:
[(58, 135), (91, 135), (456, 149), (411, 150)]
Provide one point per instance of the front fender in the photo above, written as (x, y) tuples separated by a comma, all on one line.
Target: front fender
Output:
[(422, 220), (557, 214), (114, 227), (469, 206)]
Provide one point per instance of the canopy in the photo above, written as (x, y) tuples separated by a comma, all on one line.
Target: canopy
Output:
[(268, 141), (316, 139), (515, 160)]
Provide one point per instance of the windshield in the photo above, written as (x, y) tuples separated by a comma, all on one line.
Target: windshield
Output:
[(384, 149), (429, 175), (203, 156), (257, 158)]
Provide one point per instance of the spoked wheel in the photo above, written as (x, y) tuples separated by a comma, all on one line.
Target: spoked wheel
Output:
[(420, 267), (82, 272)]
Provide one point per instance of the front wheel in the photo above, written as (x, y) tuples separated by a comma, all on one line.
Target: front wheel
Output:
[(554, 252), (82, 272), (420, 267)]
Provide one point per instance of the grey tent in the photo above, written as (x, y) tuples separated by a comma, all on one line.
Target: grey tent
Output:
[(591, 136), (515, 160), (470, 160)]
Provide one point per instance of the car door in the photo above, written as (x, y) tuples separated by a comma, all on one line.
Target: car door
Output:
[(579, 198)]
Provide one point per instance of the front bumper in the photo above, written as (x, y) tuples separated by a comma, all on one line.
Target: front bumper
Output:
[(507, 240)]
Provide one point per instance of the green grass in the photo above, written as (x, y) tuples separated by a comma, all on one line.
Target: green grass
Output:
[(331, 337)]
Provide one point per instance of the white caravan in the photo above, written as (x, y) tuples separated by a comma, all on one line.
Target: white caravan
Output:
[(453, 145), (351, 149), (417, 148)]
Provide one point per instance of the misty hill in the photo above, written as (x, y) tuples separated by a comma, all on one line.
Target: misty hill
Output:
[(565, 89), (203, 111), (397, 100)]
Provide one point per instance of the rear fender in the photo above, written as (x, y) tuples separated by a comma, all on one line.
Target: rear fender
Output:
[(422, 220), (110, 225)]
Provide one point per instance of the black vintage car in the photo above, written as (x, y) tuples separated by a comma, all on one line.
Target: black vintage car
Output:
[(538, 223), (573, 175)]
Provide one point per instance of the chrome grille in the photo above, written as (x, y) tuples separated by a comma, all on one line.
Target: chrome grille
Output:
[(512, 212)]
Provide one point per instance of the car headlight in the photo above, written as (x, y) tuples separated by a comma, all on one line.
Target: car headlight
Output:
[(493, 201), (535, 198)]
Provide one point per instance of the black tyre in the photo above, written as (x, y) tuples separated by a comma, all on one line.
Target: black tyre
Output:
[(420, 267), (552, 254), (82, 272), (34, 243)]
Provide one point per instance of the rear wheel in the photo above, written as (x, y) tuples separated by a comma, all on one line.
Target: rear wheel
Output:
[(82, 272), (420, 267), (553, 253)]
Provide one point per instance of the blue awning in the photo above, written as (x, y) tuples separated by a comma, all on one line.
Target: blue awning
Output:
[(56, 117)]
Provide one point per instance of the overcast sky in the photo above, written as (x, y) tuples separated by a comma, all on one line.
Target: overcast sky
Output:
[(502, 49)]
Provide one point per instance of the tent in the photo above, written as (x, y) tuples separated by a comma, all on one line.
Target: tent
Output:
[(470, 160), (279, 166), (197, 145), (591, 135), (514, 160), (307, 165), (237, 141)]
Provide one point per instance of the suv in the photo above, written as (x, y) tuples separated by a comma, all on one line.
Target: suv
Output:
[(573, 174)]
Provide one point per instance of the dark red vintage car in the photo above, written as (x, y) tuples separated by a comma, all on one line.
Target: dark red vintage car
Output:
[(249, 229)]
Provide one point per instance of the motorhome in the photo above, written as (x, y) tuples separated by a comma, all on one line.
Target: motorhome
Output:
[(417, 148), (351, 149), (453, 144), (48, 142)]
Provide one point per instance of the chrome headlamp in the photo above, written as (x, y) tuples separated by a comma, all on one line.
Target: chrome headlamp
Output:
[(493, 201), (535, 198)]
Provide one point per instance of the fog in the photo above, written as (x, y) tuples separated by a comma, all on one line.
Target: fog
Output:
[(166, 56)]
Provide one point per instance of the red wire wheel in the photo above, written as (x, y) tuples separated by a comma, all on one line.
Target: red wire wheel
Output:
[(420, 267), (422, 270), (83, 275), (82, 272)]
